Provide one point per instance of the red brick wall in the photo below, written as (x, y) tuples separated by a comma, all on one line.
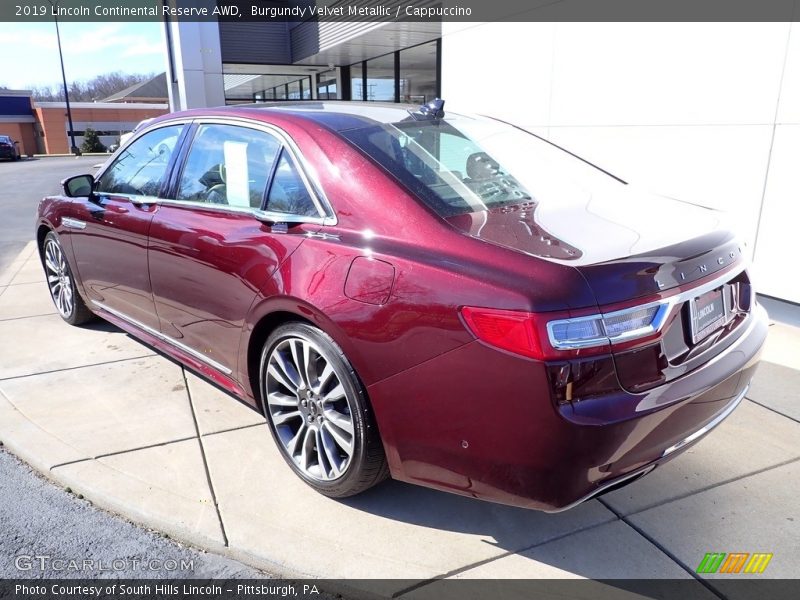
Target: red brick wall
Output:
[(54, 121), (22, 133)]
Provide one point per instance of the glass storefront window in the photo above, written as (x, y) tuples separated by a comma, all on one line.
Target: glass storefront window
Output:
[(418, 74), (380, 79), (294, 90), (268, 87), (357, 81), (326, 85)]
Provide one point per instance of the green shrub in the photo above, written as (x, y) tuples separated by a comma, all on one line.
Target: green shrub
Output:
[(91, 142)]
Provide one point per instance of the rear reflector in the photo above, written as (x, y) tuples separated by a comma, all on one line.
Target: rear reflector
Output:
[(510, 330)]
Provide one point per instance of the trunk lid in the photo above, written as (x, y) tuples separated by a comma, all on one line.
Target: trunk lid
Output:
[(626, 243)]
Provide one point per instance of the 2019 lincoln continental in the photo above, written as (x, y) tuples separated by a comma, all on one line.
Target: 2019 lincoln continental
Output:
[(447, 299)]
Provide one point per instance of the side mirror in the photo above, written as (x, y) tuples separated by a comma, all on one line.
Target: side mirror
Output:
[(80, 186)]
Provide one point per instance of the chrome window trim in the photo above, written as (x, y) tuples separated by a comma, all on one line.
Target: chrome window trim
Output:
[(666, 307), (260, 215), (132, 198), (306, 171), (327, 215), (165, 338)]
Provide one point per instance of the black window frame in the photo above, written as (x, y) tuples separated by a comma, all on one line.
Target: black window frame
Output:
[(166, 179), (177, 175), (396, 54), (325, 213)]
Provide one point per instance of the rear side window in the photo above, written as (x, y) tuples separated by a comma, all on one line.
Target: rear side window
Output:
[(288, 193), (228, 165), (140, 169), (460, 164)]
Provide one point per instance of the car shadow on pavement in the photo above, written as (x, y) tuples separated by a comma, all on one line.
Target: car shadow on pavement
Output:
[(106, 327)]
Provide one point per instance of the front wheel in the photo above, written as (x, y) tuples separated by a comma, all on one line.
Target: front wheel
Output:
[(318, 412), (61, 283)]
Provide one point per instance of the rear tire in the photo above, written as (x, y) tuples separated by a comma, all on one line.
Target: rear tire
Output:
[(318, 412), (61, 283)]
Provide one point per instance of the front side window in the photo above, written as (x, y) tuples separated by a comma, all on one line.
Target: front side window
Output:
[(141, 167), (228, 165)]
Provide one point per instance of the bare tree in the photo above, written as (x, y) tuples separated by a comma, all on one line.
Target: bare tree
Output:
[(95, 89)]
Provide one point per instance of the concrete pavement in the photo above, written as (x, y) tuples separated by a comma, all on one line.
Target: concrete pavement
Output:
[(33, 509), (135, 433)]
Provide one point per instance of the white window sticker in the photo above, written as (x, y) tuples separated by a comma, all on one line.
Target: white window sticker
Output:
[(237, 180)]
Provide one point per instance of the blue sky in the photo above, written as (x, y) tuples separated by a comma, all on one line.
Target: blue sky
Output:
[(90, 49)]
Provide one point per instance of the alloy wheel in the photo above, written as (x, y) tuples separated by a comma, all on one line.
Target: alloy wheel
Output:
[(58, 278), (309, 409)]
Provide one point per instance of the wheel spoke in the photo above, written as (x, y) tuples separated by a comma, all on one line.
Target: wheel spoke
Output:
[(281, 399), (310, 376), (51, 266), (342, 441), (323, 460), (288, 368), (307, 449), (329, 446), (281, 376), (58, 299), (327, 371), (50, 257), (335, 394), (291, 446), (297, 357), (280, 418), (52, 279)]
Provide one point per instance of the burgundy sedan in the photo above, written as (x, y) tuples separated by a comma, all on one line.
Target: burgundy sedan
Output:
[(446, 299)]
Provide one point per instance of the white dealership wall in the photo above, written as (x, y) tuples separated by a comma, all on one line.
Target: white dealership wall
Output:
[(707, 112)]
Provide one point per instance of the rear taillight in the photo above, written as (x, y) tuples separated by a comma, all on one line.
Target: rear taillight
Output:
[(541, 336), (609, 328)]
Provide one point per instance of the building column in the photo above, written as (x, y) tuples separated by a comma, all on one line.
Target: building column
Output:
[(194, 64)]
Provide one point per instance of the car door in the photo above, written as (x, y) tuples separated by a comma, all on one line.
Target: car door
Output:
[(211, 249), (111, 250)]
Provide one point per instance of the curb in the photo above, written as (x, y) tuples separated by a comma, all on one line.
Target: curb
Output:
[(70, 155)]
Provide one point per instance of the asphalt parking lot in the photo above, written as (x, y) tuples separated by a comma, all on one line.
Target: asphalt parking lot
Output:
[(24, 183), (135, 433)]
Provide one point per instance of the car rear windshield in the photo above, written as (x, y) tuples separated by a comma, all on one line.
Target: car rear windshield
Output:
[(460, 165)]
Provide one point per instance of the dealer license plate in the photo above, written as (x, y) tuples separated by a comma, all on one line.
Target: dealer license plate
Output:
[(708, 312)]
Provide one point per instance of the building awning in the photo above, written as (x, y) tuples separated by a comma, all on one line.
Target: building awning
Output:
[(17, 119)]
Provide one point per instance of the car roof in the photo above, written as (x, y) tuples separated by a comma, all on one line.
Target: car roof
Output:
[(337, 115)]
